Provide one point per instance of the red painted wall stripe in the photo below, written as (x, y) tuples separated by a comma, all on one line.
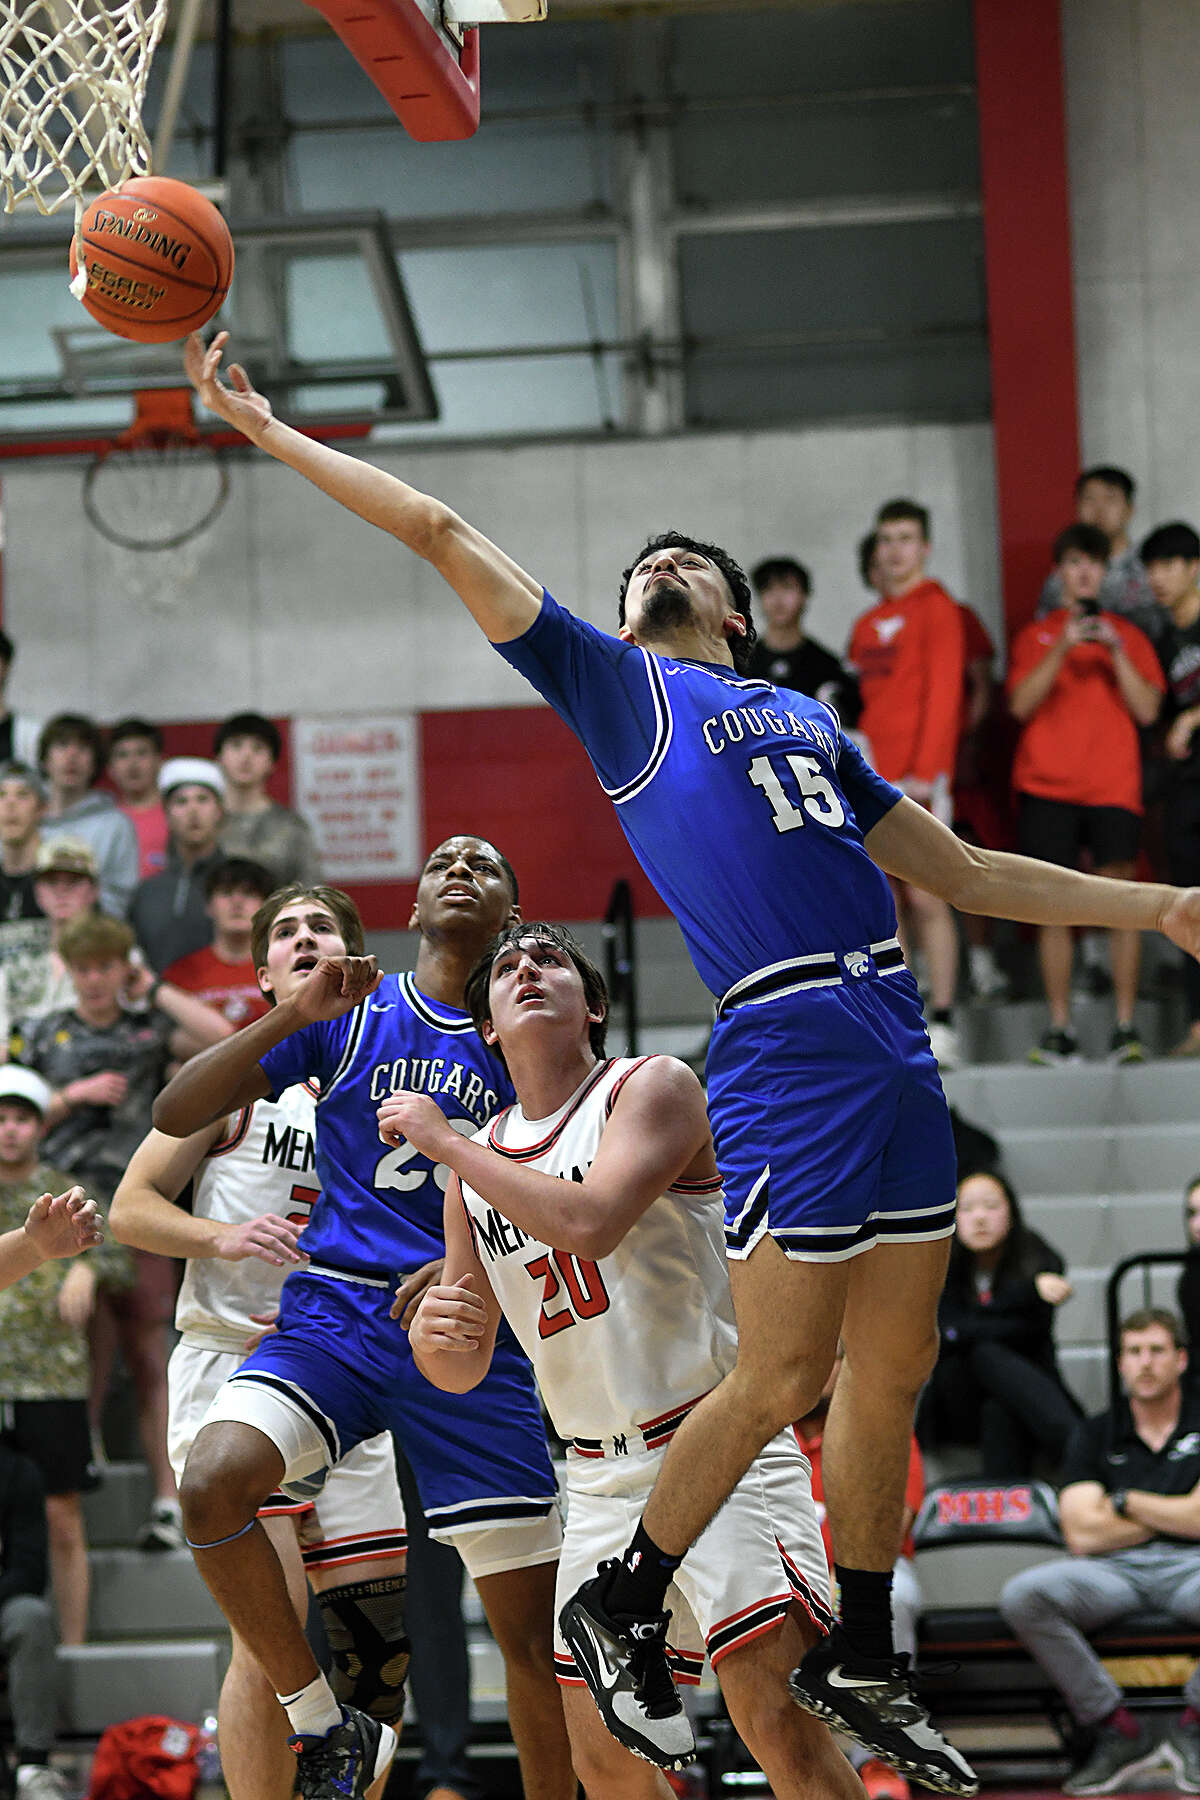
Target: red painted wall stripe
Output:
[(1031, 314), (515, 775)]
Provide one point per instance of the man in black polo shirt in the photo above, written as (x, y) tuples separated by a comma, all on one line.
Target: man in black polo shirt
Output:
[(1130, 1509)]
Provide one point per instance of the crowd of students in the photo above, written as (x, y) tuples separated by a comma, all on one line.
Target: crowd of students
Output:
[(1087, 755)]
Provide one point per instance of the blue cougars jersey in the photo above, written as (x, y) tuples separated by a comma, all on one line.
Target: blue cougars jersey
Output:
[(745, 803), (380, 1210)]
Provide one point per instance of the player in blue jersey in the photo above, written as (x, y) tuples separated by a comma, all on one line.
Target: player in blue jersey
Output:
[(336, 1371), (769, 837)]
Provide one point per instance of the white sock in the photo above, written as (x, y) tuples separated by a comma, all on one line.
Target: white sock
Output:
[(313, 1711)]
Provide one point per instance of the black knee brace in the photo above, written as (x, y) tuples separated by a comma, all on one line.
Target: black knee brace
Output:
[(364, 1624)]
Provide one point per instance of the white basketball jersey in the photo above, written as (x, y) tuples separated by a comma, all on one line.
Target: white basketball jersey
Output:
[(623, 1346), (264, 1164)]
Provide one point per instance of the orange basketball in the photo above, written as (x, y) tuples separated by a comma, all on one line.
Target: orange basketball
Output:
[(159, 259)]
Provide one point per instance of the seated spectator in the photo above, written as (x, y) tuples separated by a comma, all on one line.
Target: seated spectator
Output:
[(33, 976), (880, 1781), (1130, 1511), (1081, 682), (22, 802), (908, 654), (27, 1628), (106, 1064), (996, 1382), (1188, 1291), (223, 974), (784, 654), (71, 756), (19, 733), (44, 1369), (1104, 499), (247, 747), (169, 912), (135, 753), (1171, 555)]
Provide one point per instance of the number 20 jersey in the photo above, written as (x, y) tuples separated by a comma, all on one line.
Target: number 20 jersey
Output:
[(620, 1347)]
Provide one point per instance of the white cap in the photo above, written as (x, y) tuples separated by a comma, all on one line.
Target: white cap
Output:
[(191, 771), (17, 1083)]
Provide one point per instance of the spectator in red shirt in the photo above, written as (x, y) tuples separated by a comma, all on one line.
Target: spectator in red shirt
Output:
[(880, 1781), (135, 753), (908, 652), (1081, 682), (222, 973)]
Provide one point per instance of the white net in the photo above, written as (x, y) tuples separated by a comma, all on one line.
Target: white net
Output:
[(73, 79)]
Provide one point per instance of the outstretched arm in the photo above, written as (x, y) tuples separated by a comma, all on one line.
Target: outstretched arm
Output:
[(910, 844), (144, 1211), (57, 1225), (229, 1076), (658, 1132), (502, 598)]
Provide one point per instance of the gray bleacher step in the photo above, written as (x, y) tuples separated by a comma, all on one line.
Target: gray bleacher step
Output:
[(140, 1594), (1005, 1034), (1109, 1159), (1010, 1095), (117, 1510), (1085, 1370), (105, 1682), (1100, 1228)]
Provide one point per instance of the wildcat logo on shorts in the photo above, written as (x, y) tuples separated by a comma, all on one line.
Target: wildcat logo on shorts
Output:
[(857, 962)]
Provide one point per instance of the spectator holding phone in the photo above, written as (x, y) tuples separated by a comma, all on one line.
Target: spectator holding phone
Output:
[(1080, 682)]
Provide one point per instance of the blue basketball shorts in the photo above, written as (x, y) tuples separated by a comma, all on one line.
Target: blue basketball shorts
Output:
[(832, 1131), (337, 1370)]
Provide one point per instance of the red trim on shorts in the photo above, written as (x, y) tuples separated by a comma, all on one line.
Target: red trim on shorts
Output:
[(278, 1506), (802, 1590), (755, 1606), (314, 1560), (717, 1657)]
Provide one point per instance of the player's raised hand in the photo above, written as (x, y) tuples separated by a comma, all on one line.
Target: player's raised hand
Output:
[(64, 1224), (448, 1318), (1181, 920), (238, 404), (336, 985), (269, 1238), (419, 1120)]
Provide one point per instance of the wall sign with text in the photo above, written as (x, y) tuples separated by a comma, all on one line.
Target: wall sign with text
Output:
[(358, 781)]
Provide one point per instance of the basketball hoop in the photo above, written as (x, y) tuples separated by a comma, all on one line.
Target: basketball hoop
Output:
[(73, 79), (159, 485)]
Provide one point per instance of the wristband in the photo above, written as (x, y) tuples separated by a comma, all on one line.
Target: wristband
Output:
[(1120, 1499), (152, 991)]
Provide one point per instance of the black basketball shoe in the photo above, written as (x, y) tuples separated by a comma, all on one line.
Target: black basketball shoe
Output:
[(623, 1659), (874, 1703), (347, 1761)]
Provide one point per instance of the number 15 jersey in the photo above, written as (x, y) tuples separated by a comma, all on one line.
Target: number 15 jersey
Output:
[(621, 1347)]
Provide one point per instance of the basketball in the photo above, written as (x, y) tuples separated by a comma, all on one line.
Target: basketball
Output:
[(159, 259)]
